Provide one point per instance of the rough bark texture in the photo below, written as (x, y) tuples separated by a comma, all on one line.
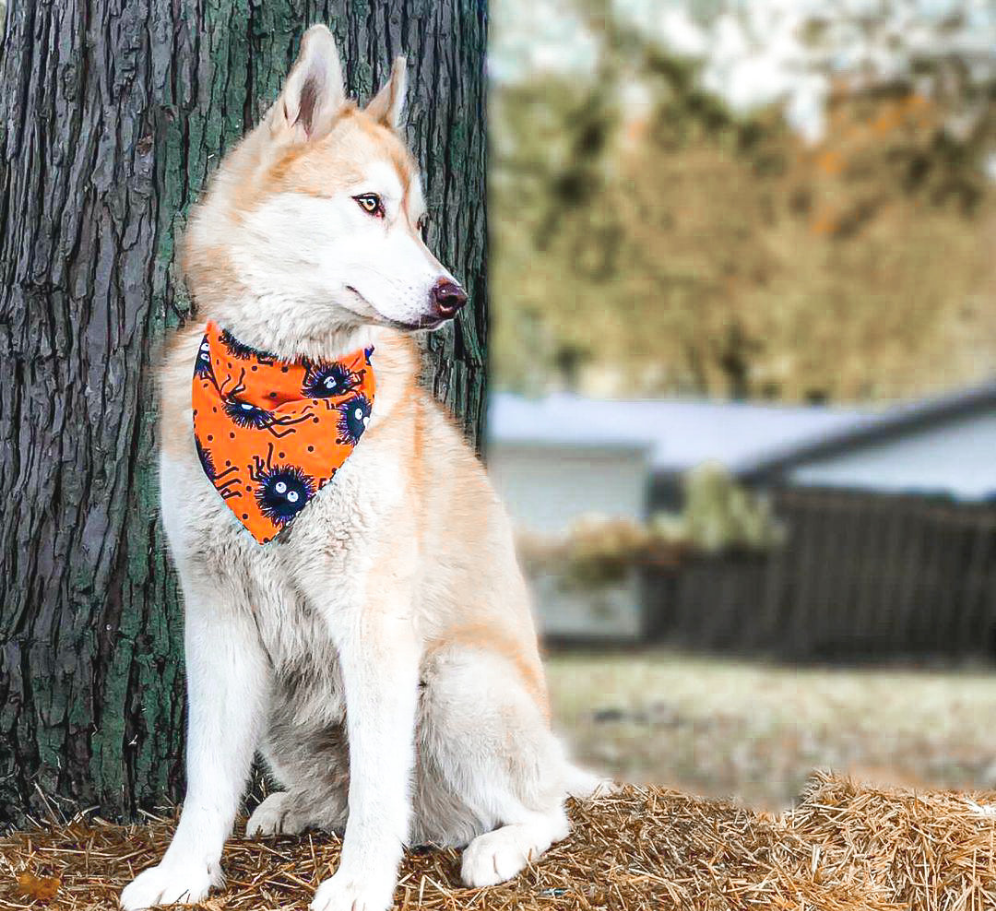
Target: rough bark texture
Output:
[(112, 115)]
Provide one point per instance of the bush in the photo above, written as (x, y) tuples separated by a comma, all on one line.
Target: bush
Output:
[(719, 515)]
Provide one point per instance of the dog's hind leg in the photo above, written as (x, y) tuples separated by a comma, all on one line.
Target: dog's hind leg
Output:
[(491, 773), (311, 762), (287, 813), (277, 815), (499, 855)]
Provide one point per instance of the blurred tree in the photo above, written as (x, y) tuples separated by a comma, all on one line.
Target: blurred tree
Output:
[(706, 251), (113, 116)]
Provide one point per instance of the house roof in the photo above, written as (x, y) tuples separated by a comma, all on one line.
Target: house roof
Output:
[(755, 441), (557, 421), (900, 421), (680, 434)]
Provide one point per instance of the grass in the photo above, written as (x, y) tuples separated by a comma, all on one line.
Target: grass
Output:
[(755, 732)]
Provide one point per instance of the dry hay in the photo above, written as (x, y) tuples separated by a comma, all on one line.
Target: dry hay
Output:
[(844, 847)]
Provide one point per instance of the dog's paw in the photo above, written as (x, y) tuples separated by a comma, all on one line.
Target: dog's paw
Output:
[(274, 816), (170, 884), (340, 893), (495, 857)]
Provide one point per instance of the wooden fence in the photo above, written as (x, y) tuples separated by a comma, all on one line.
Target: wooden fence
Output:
[(859, 575)]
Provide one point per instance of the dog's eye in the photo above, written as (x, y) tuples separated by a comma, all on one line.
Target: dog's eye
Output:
[(371, 204)]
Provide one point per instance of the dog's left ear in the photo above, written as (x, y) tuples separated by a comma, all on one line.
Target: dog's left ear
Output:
[(386, 106), (314, 93)]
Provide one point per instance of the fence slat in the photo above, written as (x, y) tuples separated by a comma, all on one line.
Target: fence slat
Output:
[(859, 574)]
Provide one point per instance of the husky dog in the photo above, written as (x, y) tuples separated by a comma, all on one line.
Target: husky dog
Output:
[(380, 652)]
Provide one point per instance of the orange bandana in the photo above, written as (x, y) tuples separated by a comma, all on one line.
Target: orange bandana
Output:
[(270, 433)]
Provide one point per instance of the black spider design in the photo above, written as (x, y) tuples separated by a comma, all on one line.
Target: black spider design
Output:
[(282, 490), (202, 366), (244, 352), (323, 380), (245, 414), (354, 416), (227, 477)]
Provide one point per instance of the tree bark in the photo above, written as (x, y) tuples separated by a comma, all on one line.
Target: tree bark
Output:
[(112, 116)]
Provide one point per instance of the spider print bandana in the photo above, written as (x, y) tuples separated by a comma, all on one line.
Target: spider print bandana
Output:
[(271, 433)]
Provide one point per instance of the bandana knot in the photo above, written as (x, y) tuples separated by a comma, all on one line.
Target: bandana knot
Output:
[(271, 433)]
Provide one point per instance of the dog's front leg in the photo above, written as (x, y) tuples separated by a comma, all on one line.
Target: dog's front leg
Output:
[(226, 690), (379, 660)]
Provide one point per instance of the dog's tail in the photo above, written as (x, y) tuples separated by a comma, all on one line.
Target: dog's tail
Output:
[(582, 784)]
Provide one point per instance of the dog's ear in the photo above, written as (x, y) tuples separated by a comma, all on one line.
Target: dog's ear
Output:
[(313, 93), (386, 106)]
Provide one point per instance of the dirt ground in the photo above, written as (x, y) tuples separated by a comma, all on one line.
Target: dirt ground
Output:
[(755, 731)]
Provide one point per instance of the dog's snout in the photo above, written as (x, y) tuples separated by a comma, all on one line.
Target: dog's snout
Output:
[(447, 298)]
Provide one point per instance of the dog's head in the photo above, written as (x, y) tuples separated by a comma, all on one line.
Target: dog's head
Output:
[(315, 224)]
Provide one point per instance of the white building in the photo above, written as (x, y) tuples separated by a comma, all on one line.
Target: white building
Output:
[(558, 458)]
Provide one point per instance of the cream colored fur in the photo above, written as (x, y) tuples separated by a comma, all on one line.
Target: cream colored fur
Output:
[(380, 653)]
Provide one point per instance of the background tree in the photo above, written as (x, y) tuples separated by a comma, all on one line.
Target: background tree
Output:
[(654, 234), (112, 116)]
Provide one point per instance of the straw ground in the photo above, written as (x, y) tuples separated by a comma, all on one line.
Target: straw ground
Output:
[(843, 848)]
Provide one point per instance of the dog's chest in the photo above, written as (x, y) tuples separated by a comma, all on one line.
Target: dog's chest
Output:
[(314, 572)]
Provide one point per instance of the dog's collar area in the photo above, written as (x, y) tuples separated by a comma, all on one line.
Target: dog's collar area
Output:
[(270, 433)]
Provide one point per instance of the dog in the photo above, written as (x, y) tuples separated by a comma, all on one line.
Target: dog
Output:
[(380, 652)]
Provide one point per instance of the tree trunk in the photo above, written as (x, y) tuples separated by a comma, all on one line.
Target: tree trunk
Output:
[(113, 114)]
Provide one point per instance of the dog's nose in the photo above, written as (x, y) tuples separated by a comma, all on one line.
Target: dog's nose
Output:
[(447, 298)]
